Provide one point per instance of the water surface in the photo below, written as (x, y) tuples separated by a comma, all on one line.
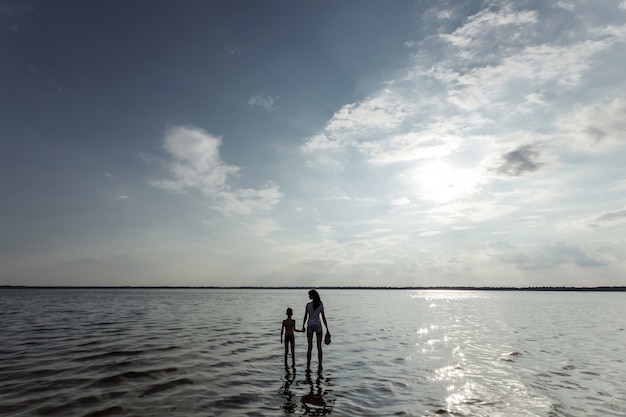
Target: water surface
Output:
[(191, 352)]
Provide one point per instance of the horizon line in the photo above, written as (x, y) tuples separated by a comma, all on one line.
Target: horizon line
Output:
[(352, 287)]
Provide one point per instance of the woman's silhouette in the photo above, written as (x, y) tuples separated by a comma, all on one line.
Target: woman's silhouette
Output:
[(314, 309)]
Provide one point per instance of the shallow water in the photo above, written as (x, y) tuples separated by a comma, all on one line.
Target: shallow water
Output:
[(141, 352)]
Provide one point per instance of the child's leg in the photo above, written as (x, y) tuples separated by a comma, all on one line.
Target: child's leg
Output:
[(286, 350), (293, 353)]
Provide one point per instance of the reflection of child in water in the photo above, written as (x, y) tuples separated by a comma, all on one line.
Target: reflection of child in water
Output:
[(289, 326)]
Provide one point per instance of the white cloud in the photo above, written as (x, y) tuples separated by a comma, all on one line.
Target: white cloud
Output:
[(567, 5), (262, 227), (485, 24), (243, 202), (264, 101), (428, 144), (469, 211), (533, 69), (598, 127), (428, 233), (195, 163), (357, 124), (403, 122), (401, 201)]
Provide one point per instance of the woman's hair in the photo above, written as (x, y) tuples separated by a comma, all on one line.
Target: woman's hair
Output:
[(316, 298)]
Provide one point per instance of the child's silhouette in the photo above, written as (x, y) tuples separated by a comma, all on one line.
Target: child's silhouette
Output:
[(288, 327)]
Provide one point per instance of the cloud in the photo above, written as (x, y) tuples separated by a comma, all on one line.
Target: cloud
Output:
[(428, 233), (262, 227), (524, 159), (481, 107), (366, 126), (507, 81), (613, 217), (195, 161), (544, 256), (607, 219), (603, 220), (566, 5), (433, 142), (400, 201), (370, 257), (243, 202), (475, 211), (195, 164), (598, 127), (264, 101), (500, 56), (493, 69), (490, 23)]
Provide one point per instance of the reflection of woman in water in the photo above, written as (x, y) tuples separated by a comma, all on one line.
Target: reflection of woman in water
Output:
[(315, 403), (313, 310)]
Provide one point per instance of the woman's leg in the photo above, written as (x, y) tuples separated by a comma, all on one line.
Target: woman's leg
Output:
[(319, 349), (309, 337)]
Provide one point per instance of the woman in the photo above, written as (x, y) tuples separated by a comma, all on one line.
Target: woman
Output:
[(313, 310)]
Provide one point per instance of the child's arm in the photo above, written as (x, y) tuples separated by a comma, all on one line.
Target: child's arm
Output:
[(282, 328), (295, 328)]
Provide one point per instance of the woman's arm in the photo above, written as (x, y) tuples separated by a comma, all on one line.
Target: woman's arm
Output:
[(324, 320)]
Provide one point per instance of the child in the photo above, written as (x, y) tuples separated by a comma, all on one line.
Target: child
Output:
[(289, 326)]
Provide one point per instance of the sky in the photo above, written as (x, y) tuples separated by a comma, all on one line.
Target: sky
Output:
[(313, 143)]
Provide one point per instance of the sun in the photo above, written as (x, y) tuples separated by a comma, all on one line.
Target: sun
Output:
[(440, 182)]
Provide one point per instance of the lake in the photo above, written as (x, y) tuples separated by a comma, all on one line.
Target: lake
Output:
[(217, 352)]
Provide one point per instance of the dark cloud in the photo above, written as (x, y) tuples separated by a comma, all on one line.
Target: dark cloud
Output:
[(520, 161), (595, 133), (613, 216), (566, 253), (545, 256)]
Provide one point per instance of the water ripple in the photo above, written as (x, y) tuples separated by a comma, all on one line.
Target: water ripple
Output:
[(217, 352)]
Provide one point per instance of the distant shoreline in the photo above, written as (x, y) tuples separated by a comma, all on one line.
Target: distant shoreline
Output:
[(441, 288)]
